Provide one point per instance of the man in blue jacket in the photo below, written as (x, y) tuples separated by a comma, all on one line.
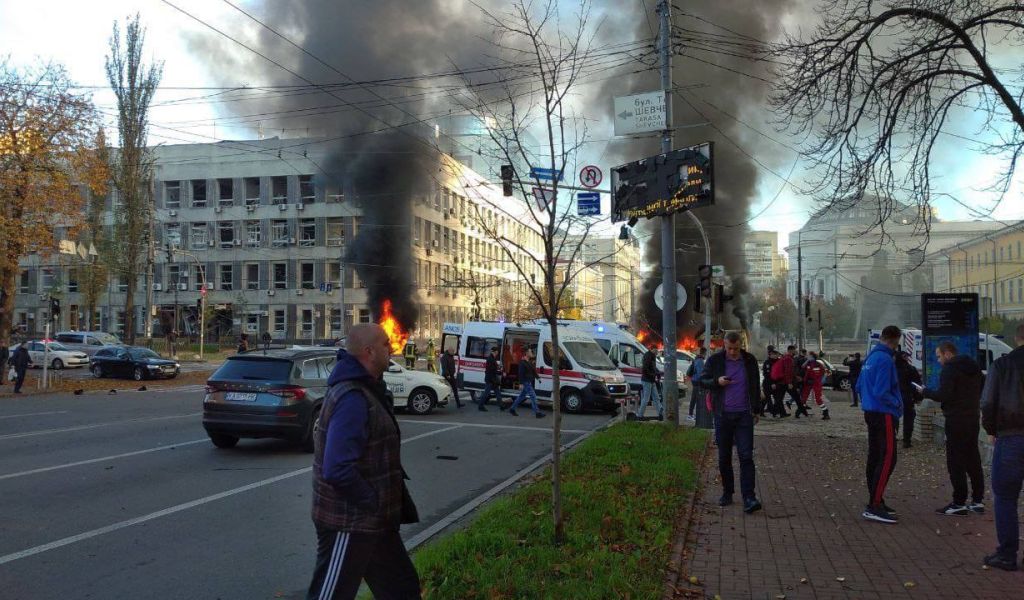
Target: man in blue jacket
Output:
[(879, 390), (359, 496)]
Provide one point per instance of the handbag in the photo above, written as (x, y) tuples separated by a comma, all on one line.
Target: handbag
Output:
[(12, 374)]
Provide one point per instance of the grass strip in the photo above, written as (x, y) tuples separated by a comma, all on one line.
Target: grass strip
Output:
[(621, 490)]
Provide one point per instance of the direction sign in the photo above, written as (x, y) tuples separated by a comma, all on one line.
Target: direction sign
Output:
[(549, 174), (659, 297), (588, 204), (641, 113), (326, 286), (718, 270), (590, 176)]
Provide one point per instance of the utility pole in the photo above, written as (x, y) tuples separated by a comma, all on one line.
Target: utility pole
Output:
[(668, 233), (799, 292), (150, 258)]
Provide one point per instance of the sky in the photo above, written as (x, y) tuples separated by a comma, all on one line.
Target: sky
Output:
[(76, 35)]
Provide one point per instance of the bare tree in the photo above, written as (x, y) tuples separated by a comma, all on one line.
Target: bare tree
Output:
[(877, 84), (556, 55), (134, 85)]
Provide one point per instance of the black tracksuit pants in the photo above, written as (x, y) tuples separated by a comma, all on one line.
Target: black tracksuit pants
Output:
[(882, 428), (345, 559), (909, 416), (963, 460)]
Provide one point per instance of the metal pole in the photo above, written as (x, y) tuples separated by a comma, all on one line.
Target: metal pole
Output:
[(202, 309), (46, 348), (341, 300), (150, 259), (707, 261), (799, 292), (668, 233)]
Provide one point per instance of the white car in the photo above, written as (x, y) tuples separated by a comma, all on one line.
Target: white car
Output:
[(60, 356), (417, 391)]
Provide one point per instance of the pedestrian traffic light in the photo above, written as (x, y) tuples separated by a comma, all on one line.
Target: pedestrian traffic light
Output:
[(54, 308), (507, 174), (721, 298)]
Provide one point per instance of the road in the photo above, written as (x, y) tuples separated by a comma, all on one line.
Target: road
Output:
[(122, 496)]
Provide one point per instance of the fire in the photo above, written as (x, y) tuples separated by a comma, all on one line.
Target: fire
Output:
[(687, 343), (390, 324), (643, 336)]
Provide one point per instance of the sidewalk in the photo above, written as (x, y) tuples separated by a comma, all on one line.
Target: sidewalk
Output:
[(810, 541)]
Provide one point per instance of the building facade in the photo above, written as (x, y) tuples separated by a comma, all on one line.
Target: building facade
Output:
[(990, 265), (613, 268), (764, 261)]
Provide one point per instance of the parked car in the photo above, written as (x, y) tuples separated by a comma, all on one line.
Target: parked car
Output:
[(132, 361), (418, 392), (88, 342), (59, 356), (837, 377)]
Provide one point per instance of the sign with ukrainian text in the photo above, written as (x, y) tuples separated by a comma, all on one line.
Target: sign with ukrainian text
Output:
[(664, 184), (947, 318)]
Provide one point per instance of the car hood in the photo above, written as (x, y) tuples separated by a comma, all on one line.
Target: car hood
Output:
[(158, 361)]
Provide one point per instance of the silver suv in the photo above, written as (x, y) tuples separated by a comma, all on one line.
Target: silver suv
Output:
[(89, 342)]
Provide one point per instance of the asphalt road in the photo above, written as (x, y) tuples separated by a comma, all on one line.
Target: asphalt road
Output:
[(122, 496)]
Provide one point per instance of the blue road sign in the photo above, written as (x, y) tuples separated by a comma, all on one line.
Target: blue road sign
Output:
[(326, 286), (588, 204), (549, 174)]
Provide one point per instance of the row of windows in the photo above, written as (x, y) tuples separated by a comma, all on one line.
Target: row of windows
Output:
[(278, 233), (199, 194), (986, 258), (1007, 292)]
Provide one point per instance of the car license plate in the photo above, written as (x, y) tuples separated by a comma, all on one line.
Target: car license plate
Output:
[(240, 397)]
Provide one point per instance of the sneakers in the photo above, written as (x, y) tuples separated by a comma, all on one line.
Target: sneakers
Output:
[(751, 505), (480, 407), (824, 415), (908, 444), (691, 418), (879, 514), (953, 509), (513, 412), (540, 415), (888, 509), (1001, 562), (725, 500), (976, 507)]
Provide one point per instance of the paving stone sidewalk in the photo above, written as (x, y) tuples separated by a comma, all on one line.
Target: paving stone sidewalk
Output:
[(810, 540)]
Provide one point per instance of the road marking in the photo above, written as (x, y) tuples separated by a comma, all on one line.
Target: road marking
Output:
[(13, 436), (184, 388), (50, 412), (174, 509), (96, 460), (485, 426)]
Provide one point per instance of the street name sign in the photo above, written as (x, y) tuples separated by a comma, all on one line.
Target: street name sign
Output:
[(640, 113), (588, 204), (548, 174)]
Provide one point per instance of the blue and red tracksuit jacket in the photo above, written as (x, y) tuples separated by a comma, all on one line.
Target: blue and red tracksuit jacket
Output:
[(878, 384)]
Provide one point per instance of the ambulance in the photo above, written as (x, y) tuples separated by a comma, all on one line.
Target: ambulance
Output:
[(990, 347), (589, 379)]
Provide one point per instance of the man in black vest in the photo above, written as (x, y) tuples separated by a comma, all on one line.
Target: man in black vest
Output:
[(359, 496)]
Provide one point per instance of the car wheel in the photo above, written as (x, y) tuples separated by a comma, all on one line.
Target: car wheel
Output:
[(97, 371), (223, 441), (421, 401), (571, 400), (844, 383), (137, 374), (57, 364), (307, 440)]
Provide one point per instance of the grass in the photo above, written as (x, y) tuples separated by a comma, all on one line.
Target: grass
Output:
[(621, 491)]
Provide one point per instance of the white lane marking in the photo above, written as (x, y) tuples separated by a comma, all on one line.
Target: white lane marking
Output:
[(36, 414), (96, 460), (465, 509), (174, 509), (486, 426), (184, 388), (13, 436)]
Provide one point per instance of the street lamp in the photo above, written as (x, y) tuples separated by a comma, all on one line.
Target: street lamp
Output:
[(202, 296)]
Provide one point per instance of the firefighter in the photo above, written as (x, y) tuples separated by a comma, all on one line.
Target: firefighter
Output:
[(410, 355), (814, 375), (431, 357)]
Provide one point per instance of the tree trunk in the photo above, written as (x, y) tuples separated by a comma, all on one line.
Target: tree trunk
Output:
[(129, 311)]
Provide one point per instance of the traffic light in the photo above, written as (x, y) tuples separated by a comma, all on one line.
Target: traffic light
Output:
[(696, 299), (199, 305), (507, 174), (54, 308), (721, 298), (807, 308), (704, 283)]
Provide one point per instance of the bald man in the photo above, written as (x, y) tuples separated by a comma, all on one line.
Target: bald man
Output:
[(359, 496)]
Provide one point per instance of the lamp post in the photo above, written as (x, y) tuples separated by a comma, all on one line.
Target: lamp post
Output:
[(202, 297)]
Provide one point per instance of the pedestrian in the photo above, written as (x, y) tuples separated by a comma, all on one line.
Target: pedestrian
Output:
[(879, 391), (359, 495), (410, 355), (814, 377), (4, 355), (527, 378), (431, 357), (855, 365), (649, 382), (448, 372), (492, 381), (693, 376), (785, 382), (266, 340), (243, 343), (731, 376), (959, 393), (909, 378), (767, 402), (21, 361), (1002, 416)]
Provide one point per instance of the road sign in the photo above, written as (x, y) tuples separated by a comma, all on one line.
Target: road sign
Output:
[(659, 297), (326, 286), (641, 113), (543, 196), (590, 176), (588, 204), (665, 184), (549, 174), (718, 270)]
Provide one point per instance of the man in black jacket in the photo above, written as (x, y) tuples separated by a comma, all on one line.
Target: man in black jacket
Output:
[(908, 376), (855, 364), (960, 393), (492, 376), (1002, 416), (731, 377), (527, 379), (448, 372), (649, 380), (21, 361)]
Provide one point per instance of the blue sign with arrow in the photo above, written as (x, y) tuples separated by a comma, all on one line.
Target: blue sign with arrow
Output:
[(549, 174), (588, 204)]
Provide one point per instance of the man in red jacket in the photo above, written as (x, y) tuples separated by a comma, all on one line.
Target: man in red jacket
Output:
[(783, 376), (814, 376)]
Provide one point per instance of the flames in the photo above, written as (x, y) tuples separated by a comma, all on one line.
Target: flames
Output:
[(687, 343), (396, 334), (652, 340)]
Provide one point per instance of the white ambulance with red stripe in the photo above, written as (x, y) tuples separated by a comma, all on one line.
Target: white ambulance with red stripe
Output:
[(588, 377)]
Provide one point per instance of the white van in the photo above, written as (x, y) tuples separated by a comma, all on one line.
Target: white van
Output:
[(990, 347), (589, 379)]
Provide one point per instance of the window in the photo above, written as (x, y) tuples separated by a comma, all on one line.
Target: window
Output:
[(477, 347), (306, 276), (279, 233), (199, 235), (174, 275), (226, 191), (333, 276), (336, 231), (172, 194), (253, 233), (279, 190), (227, 276), (200, 277), (199, 193), (307, 321), (1002, 291), (252, 276), (251, 187), (564, 364), (307, 193), (279, 322), (364, 315), (1020, 290), (172, 234), (48, 279), (280, 276), (23, 282), (1001, 256), (72, 281), (227, 234), (307, 233)]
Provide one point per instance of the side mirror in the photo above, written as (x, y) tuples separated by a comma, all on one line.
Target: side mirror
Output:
[(615, 362), (394, 369)]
